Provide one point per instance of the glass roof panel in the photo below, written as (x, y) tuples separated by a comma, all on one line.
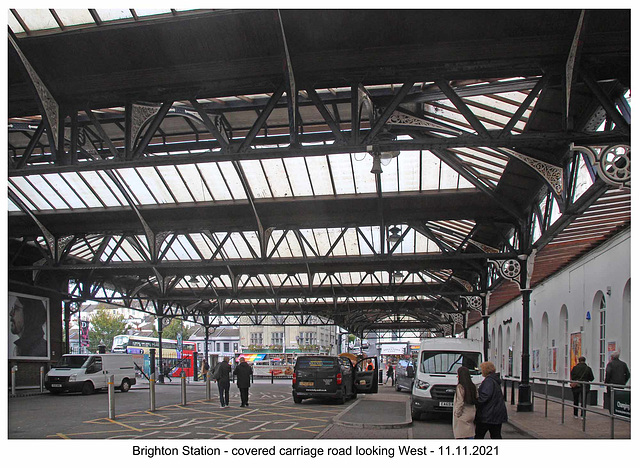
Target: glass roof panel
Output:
[(320, 176), (351, 242), (136, 186), (151, 11), (127, 250), (233, 180), (114, 14), (389, 176), (342, 173), (33, 196), (241, 245), (278, 178), (196, 184), (256, 179), (81, 188), (64, 190), (174, 181), (409, 171), (214, 181), (430, 171), (448, 177), (12, 207), (74, 17), (154, 183), (37, 19), (203, 244), (339, 249), (365, 180), (14, 25), (298, 177)]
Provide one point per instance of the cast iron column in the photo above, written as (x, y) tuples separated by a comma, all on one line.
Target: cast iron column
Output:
[(524, 389)]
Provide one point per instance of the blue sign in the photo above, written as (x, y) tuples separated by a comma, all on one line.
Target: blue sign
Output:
[(588, 315), (135, 351)]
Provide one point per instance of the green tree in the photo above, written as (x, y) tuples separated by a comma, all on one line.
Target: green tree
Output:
[(104, 327), (174, 328)]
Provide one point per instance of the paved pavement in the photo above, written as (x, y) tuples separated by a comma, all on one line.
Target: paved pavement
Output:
[(385, 415)]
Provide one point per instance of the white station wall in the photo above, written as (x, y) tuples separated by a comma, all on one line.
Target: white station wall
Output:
[(566, 308)]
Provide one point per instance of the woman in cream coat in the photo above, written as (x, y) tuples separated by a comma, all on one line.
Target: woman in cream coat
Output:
[(464, 408)]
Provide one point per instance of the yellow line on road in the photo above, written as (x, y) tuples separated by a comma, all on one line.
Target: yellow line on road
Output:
[(124, 425), (62, 436)]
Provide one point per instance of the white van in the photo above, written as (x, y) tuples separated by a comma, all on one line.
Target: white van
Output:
[(436, 373), (87, 373)]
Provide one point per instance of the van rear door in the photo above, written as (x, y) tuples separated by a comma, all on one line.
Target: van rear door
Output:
[(317, 374), (366, 378)]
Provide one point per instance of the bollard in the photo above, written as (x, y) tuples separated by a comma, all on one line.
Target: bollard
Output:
[(584, 406), (41, 379), (272, 376), (207, 386), (183, 385), (14, 369), (546, 397), (613, 416), (112, 398), (152, 392)]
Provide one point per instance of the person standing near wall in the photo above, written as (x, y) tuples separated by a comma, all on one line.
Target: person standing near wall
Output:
[(244, 372), (583, 373), (616, 373)]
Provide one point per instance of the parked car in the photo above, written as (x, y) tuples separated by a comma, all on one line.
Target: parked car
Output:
[(436, 373), (88, 373), (335, 377), (405, 372)]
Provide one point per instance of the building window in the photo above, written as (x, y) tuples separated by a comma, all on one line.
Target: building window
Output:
[(256, 339), (603, 341), (308, 338), (235, 347), (277, 338), (226, 347), (218, 347)]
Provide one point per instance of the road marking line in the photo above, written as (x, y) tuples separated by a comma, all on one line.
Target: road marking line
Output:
[(62, 436), (125, 425)]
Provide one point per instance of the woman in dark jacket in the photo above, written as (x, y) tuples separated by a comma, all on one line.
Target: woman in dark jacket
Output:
[(244, 373), (491, 411)]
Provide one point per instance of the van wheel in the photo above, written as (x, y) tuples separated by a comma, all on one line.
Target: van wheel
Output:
[(297, 400), (87, 388), (416, 415), (125, 386)]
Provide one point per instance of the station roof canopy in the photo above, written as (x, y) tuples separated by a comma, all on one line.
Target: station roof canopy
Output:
[(379, 169)]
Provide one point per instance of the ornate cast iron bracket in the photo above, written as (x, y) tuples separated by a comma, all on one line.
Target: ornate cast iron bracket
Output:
[(613, 163), (512, 269), (553, 175)]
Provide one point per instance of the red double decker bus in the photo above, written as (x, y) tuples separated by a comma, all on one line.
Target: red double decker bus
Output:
[(175, 359)]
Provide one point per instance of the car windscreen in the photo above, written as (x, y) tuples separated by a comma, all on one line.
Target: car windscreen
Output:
[(315, 363), (71, 362), (448, 362)]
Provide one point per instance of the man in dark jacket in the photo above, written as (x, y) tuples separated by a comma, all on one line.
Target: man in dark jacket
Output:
[(221, 375), (616, 373), (491, 411), (244, 373), (583, 373)]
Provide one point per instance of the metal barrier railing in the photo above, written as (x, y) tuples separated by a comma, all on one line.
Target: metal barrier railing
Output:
[(564, 384)]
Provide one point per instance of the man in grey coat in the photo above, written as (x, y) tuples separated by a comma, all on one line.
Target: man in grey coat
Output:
[(244, 372), (221, 375), (617, 373)]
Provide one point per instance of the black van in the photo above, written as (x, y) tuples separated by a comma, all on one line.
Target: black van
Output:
[(333, 377)]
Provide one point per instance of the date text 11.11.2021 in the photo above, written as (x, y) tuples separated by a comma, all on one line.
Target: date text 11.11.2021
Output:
[(468, 450)]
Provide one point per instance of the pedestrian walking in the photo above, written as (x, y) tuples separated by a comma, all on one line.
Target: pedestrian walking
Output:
[(616, 373), (464, 406), (580, 372), (389, 374), (244, 372), (166, 371), (491, 411), (204, 368), (221, 374)]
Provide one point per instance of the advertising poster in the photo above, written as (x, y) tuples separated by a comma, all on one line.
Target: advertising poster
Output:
[(84, 333), (535, 360), (576, 348), (28, 327), (552, 353)]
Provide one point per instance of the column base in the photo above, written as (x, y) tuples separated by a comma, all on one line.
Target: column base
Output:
[(525, 403)]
